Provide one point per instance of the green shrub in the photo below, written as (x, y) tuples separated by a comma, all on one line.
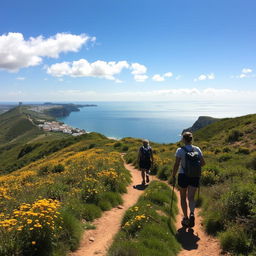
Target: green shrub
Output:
[(72, 230), (117, 144), (243, 150), (226, 150), (234, 136), (125, 148), (214, 223), (208, 177), (92, 145), (58, 168), (44, 170), (238, 201), (252, 163), (217, 150), (163, 172), (225, 157), (234, 240), (91, 212)]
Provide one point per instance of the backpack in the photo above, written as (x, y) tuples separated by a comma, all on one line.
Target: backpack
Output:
[(192, 166), (145, 154)]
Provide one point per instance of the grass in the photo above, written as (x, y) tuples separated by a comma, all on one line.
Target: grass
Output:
[(148, 226)]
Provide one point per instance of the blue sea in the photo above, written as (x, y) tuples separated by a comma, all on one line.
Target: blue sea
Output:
[(160, 122)]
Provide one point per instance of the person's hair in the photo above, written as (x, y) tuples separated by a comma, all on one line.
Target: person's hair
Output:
[(145, 141), (187, 136)]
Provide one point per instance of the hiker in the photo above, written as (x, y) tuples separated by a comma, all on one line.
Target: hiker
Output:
[(189, 160), (145, 160)]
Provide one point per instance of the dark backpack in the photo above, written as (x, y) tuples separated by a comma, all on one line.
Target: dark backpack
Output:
[(192, 166), (145, 154)]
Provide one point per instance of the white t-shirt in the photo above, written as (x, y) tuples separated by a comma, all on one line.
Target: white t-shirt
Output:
[(181, 154)]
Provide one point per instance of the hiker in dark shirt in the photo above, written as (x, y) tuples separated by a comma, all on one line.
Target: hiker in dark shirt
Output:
[(188, 182), (145, 160)]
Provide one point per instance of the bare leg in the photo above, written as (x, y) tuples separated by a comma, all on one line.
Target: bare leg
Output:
[(183, 201), (143, 175), (191, 198)]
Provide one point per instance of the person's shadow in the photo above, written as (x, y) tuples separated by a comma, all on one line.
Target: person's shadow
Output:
[(187, 238), (140, 186)]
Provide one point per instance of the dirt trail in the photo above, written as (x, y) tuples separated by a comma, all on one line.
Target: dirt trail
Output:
[(109, 224), (195, 241)]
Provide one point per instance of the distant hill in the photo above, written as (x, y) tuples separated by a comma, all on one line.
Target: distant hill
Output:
[(201, 122), (21, 141), (230, 130)]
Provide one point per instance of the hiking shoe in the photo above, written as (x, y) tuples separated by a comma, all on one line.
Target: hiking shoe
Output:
[(192, 220), (143, 183), (147, 178), (185, 222)]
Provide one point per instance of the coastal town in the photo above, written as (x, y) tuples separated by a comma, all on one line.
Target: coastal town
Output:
[(55, 126)]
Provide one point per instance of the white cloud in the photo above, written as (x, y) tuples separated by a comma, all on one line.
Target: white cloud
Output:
[(161, 78), (16, 52), (242, 76), (204, 77), (20, 78), (178, 77), (246, 70), (140, 78), (138, 69), (82, 68), (158, 78), (168, 74), (139, 72)]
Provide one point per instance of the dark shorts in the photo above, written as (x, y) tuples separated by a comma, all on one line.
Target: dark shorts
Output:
[(145, 166), (184, 181)]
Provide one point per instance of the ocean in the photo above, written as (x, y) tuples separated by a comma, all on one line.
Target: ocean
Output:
[(160, 122)]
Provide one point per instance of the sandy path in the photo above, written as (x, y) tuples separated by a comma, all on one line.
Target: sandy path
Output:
[(109, 224), (195, 241)]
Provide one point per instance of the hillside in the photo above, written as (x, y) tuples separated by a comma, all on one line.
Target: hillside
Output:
[(21, 141), (200, 123), (78, 178)]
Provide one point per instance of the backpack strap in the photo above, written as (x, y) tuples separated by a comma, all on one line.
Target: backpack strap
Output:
[(185, 149)]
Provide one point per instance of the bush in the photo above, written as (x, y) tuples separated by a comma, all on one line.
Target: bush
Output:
[(72, 230), (243, 150), (163, 172), (117, 144), (214, 223), (252, 163), (234, 136), (225, 157), (125, 148), (234, 240), (208, 177), (58, 168), (226, 150), (238, 201)]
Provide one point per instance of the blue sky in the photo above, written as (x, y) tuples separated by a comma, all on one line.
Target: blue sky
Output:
[(127, 50)]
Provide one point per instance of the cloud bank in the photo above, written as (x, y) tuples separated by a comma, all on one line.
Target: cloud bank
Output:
[(17, 53), (99, 68)]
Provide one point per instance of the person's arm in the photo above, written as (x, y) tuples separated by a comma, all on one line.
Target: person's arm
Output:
[(202, 161), (152, 158), (138, 157), (176, 166)]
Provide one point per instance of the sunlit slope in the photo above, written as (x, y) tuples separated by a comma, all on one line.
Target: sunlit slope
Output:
[(22, 142), (229, 130), (43, 203)]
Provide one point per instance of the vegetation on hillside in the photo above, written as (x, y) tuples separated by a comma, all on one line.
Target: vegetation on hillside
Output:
[(148, 227), (228, 179), (63, 183), (43, 204)]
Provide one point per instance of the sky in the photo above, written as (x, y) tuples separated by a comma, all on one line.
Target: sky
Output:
[(127, 50)]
